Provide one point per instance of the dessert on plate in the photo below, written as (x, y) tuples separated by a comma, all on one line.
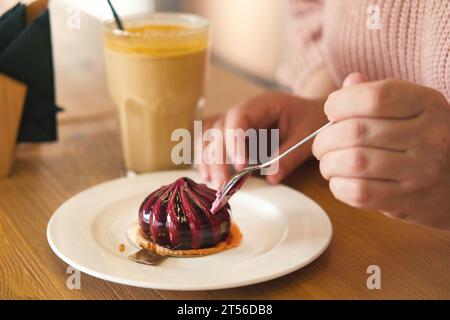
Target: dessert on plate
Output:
[(176, 220)]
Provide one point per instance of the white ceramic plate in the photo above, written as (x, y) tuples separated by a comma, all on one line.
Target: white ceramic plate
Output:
[(283, 230)]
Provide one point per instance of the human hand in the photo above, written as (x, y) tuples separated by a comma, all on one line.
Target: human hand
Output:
[(293, 116), (389, 150)]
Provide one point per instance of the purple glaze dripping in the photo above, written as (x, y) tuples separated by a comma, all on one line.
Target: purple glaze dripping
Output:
[(178, 216)]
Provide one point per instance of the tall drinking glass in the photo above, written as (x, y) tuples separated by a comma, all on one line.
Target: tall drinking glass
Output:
[(156, 74)]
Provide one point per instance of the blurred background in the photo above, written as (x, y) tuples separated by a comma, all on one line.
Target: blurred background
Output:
[(248, 37), (247, 34)]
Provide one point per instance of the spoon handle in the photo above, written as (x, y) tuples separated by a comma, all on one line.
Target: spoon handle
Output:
[(295, 146)]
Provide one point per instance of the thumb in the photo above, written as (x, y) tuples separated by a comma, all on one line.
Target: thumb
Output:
[(354, 78)]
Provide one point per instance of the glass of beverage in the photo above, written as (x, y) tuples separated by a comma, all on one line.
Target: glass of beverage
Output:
[(156, 75)]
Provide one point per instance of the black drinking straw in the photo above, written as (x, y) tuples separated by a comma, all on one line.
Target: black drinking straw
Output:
[(116, 16)]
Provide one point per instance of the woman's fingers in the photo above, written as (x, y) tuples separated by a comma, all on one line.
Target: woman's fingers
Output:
[(200, 146), (364, 132), (368, 163), (257, 112), (237, 122), (379, 99), (354, 78), (215, 155), (236, 127), (366, 193)]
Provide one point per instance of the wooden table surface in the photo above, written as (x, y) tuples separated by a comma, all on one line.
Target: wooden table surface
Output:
[(414, 261)]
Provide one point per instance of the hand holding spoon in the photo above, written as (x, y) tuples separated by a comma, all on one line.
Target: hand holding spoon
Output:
[(239, 178)]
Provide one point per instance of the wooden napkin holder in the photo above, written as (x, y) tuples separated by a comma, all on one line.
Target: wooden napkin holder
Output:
[(12, 100)]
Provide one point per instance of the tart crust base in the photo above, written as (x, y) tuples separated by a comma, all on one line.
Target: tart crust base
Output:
[(232, 241)]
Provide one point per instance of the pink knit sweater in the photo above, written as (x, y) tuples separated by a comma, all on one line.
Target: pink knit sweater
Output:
[(409, 41)]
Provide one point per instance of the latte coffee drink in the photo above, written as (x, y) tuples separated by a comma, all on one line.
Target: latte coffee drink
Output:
[(156, 76)]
